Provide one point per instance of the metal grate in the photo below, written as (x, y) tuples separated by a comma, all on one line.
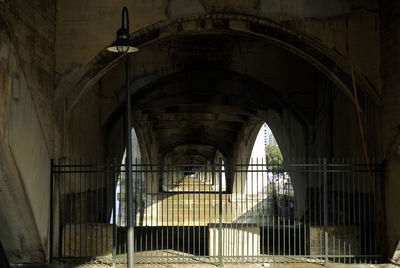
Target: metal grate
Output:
[(214, 213)]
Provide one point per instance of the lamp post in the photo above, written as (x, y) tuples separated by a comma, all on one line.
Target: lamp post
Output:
[(123, 46)]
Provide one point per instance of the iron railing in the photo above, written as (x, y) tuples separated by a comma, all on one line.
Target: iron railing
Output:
[(315, 211)]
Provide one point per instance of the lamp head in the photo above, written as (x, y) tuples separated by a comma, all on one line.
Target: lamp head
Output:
[(122, 44)]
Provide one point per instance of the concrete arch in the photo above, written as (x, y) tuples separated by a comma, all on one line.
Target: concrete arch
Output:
[(322, 58), (289, 119), (243, 95)]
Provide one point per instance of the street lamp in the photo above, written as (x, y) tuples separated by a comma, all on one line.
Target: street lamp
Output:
[(123, 46)]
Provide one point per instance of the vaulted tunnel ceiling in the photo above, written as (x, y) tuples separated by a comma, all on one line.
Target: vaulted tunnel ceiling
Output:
[(194, 114), (209, 91)]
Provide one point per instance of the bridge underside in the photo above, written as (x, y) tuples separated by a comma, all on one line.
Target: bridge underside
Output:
[(198, 102), (196, 95), (207, 76)]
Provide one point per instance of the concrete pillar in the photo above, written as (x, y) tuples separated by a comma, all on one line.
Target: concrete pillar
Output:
[(390, 38)]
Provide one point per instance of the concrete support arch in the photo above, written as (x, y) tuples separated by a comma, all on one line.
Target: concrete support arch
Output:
[(322, 58)]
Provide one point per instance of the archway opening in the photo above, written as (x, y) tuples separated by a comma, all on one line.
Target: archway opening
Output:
[(119, 208)]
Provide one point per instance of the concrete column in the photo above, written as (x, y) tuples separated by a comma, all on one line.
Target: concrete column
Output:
[(390, 39)]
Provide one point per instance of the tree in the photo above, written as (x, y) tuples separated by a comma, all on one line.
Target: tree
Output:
[(273, 154)]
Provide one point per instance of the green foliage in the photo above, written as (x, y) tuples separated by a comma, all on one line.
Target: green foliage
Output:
[(273, 154)]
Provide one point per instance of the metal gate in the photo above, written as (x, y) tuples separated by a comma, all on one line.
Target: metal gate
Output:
[(254, 212)]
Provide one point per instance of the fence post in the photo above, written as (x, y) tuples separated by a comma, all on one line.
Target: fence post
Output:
[(220, 215), (114, 185), (325, 182), (51, 211)]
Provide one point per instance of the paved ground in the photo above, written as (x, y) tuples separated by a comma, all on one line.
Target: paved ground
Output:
[(247, 266), (296, 265)]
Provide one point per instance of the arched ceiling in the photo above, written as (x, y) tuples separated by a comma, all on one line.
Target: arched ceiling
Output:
[(287, 57), (199, 112), (209, 89), (72, 86), (195, 58)]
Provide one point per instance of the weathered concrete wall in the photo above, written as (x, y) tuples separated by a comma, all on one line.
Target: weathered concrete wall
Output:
[(27, 129), (83, 130), (390, 16), (81, 240), (342, 240)]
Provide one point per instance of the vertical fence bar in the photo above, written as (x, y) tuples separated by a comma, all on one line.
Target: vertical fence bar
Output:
[(274, 193), (262, 229), (114, 198), (234, 215), (257, 211), (75, 196), (279, 216), (193, 213), (178, 228), (246, 216), (199, 172), (338, 176), (370, 217), (151, 224), (205, 179), (69, 207), (51, 211), (332, 181), (162, 172), (144, 235), (354, 204), (268, 198), (102, 210), (283, 208), (251, 212), (365, 193), (344, 211), (80, 211), (220, 214), (377, 235), (231, 232), (320, 217), (215, 216), (175, 211), (314, 202), (349, 246), (64, 213), (325, 174), (90, 207), (184, 201), (307, 207), (96, 196), (85, 210), (212, 168), (262, 214), (144, 185)]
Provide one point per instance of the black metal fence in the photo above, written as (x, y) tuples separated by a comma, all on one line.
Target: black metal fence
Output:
[(259, 212)]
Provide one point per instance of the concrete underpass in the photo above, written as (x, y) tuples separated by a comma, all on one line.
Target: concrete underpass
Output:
[(208, 75)]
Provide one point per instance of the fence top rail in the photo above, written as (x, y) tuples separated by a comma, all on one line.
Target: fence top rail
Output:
[(312, 166), (267, 164), (235, 169)]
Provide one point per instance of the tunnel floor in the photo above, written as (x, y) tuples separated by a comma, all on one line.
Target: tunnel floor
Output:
[(238, 265), (173, 257)]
